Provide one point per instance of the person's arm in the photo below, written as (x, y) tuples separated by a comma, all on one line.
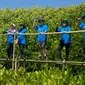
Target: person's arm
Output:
[(34, 24), (6, 31), (57, 28), (69, 28), (24, 31), (79, 22), (21, 32), (46, 30)]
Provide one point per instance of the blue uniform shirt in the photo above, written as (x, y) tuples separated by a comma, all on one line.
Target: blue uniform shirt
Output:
[(66, 37), (22, 38), (43, 28), (10, 36), (82, 25)]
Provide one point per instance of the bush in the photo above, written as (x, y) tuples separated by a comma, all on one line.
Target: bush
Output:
[(53, 76)]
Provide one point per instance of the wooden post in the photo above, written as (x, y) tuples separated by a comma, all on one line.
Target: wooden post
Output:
[(16, 65), (63, 65), (13, 60), (24, 65)]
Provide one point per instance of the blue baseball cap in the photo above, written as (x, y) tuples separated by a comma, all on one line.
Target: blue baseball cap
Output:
[(83, 16), (41, 19)]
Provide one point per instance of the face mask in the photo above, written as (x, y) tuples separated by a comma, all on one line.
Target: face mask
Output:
[(41, 23), (64, 25)]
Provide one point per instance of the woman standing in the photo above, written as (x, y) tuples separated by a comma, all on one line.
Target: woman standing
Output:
[(10, 40), (22, 39), (65, 38)]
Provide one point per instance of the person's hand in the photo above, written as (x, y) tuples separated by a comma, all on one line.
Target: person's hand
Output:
[(57, 25), (42, 32), (4, 32), (59, 38), (34, 24), (16, 32), (35, 20), (79, 19), (64, 31)]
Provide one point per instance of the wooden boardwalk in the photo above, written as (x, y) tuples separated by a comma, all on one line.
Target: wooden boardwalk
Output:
[(15, 61)]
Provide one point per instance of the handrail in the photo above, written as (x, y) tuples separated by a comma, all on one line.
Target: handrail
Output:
[(48, 33)]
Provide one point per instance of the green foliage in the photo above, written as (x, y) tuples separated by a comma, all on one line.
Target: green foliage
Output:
[(53, 76)]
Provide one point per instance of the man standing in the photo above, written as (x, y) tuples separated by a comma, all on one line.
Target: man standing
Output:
[(42, 38), (82, 26)]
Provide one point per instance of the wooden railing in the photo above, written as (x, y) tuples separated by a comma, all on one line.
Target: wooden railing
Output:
[(15, 60)]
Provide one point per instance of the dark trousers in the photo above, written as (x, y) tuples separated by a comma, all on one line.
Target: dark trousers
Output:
[(10, 50), (21, 46), (61, 45), (84, 51), (83, 46), (22, 53)]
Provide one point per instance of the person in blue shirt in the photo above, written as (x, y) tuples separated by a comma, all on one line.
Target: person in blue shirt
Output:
[(65, 38), (41, 38), (22, 40), (10, 40), (81, 24)]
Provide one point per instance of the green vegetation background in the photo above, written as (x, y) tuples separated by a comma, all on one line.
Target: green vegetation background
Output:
[(52, 17)]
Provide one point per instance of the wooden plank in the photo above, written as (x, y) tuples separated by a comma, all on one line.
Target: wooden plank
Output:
[(57, 62), (16, 68), (48, 61), (4, 59)]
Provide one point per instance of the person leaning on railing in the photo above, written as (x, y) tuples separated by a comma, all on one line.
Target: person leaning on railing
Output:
[(65, 38), (82, 26), (42, 38), (11, 30), (22, 40)]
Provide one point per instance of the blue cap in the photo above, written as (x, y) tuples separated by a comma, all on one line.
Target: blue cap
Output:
[(83, 16), (41, 19)]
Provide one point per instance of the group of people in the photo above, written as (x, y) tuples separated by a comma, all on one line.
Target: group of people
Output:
[(42, 38)]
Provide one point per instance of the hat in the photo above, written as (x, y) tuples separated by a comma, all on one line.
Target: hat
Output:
[(83, 16), (41, 19), (23, 25), (13, 25), (64, 22)]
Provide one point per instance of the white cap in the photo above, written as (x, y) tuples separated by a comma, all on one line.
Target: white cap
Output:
[(13, 25)]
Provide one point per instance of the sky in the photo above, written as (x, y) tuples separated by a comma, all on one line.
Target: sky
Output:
[(12, 4)]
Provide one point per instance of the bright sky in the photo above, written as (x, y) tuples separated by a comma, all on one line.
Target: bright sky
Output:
[(41, 3)]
